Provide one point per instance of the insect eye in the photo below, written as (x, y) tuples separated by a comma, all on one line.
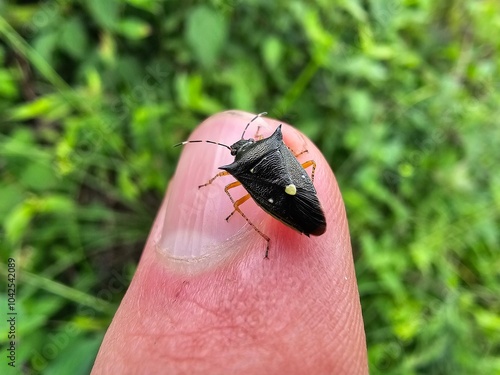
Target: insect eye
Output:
[(233, 151)]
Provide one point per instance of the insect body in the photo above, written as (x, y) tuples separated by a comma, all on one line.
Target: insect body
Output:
[(276, 181)]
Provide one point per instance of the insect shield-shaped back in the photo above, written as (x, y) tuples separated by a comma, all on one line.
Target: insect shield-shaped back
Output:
[(277, 182)]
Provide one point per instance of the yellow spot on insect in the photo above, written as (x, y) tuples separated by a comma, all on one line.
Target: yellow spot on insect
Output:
[(291, 189)]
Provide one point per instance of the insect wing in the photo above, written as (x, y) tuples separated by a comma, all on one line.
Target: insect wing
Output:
[(266, 179)]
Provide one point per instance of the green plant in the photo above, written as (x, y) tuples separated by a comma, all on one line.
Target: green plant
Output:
[(401, 97)]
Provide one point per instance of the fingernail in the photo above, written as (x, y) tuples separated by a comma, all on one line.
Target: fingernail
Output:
[(193, 226)]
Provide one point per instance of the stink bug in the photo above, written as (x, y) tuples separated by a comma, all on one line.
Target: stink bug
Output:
[(276, 181)]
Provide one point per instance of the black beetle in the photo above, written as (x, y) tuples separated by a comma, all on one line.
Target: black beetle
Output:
[(276, 181)]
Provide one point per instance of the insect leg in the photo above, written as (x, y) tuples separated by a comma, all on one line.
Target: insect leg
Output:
[(258, 136), (237, 209), (220, 174), (300, 153), (226, 189), (308, 164), (252, 120)]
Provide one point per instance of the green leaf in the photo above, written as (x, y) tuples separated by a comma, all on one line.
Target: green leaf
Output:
[(9, 88), (74, 38), (206, 33), (272, 52), (36, 311), (147, 5), (74, 345), (105, 13), (50, 107), (46, 44), (17, 221), (127, 186), (58, 204), (38, 176), (134, 28), (11, 196)]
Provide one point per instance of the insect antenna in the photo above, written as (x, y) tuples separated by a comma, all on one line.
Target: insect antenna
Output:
[(252, 120), (199, 141)]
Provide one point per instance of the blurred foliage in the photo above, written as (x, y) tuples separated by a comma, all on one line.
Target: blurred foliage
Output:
[(401, 96)]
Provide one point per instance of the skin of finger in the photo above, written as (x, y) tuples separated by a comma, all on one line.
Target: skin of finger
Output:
[(295, 313)]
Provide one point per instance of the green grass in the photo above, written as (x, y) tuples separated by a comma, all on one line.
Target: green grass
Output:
[(401, 97)]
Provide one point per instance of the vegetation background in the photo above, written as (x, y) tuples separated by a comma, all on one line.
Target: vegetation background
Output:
[(402, 97)]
